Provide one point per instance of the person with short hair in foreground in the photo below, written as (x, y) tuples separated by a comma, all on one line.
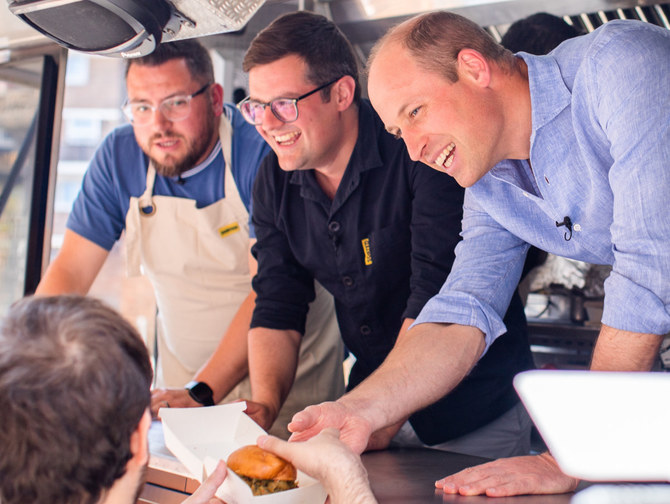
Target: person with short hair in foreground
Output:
[(75, 395)]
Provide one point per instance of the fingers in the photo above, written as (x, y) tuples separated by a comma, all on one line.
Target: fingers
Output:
[(472, 487), (354, 429), (486, 479), (304, 419), (205, 493), (512, 476), (272, 444), (217, 477), (475, 480), (158, 401), (171, 398)]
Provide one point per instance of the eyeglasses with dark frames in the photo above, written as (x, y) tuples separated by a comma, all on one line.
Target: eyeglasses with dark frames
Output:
[(284, 109)]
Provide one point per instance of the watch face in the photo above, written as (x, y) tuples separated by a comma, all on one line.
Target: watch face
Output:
[(201, 392)]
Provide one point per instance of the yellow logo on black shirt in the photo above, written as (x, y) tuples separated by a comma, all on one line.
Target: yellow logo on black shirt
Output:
[(229, 229), (366, 251)]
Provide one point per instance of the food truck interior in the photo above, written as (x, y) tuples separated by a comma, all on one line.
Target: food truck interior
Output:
[(57, 104), (61, 87)]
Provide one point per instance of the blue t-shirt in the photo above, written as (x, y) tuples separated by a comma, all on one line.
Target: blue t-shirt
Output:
[(119, 169)]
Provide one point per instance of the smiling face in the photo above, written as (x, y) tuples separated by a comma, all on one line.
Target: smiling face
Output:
[(174, 147), (315, 139), (454, 127)]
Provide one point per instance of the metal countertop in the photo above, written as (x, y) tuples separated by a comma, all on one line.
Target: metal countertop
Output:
[(399, 475), (407, 476)]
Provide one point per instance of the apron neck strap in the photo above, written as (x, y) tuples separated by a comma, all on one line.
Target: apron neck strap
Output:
[(145, 199), (226, 137)]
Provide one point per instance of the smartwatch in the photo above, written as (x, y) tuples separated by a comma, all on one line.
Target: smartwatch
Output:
[(200, 392)]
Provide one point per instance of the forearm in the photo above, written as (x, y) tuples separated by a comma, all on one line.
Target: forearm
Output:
[(273, 359), (352, 489), (75, 267), (228, 365), (618, 350), (59, 281), (426, 363)]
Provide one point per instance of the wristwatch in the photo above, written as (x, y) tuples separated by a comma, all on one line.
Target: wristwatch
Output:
[(200, 392)]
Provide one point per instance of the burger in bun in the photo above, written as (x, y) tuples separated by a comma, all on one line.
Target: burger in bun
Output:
[(263, 471)]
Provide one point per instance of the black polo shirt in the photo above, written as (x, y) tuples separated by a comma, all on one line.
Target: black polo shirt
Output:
[(382, 247)]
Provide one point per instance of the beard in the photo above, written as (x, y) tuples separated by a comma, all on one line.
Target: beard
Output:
[(196, 150)]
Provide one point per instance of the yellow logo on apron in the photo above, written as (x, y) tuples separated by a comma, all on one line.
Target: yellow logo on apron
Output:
[(229, 229), (366, 251)]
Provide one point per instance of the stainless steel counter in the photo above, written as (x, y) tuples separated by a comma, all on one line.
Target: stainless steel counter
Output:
[(403, 476), (407, 476)]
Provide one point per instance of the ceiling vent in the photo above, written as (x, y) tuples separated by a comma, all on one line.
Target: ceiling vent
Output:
[(131, 28)]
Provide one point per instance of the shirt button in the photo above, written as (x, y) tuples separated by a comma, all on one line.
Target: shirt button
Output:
[(334, 227), (577, 227), (347, 281), (526, 194), (546, 179), (366, 330)]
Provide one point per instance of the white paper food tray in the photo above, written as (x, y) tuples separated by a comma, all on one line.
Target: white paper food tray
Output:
[(200, 437)]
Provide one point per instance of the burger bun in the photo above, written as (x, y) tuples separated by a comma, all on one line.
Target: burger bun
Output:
[(254, 462)]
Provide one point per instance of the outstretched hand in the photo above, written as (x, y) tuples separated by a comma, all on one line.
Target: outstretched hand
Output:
[(354, 430), (531, 474), (323, 457), (330, 461)]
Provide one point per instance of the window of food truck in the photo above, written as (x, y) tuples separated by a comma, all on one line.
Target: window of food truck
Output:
[(20, 84), (94, 91)]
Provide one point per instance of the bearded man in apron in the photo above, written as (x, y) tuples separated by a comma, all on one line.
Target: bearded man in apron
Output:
[(179, 181)]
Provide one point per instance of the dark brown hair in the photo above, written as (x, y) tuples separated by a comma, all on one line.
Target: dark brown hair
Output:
[(323, 47), (196, 56), (74, 384)]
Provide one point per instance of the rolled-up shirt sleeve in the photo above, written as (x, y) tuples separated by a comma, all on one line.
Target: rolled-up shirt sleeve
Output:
[(632, 108), (482, 281), (284, 288), (437, 210)]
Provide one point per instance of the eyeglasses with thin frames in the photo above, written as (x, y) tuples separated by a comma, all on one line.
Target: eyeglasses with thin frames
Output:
[(284, 109), (176, 108)]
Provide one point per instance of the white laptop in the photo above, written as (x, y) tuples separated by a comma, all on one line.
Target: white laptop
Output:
[(603, 426)]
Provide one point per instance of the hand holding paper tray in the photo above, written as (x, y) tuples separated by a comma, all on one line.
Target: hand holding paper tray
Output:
[(199, 437)]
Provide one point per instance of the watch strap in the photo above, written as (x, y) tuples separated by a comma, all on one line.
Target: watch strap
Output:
[(200, 392)]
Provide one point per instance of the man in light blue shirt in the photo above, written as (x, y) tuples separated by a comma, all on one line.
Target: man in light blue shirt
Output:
[(567, 152)]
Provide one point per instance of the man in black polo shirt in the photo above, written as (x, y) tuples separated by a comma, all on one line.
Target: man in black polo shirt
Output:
[(340, 201)]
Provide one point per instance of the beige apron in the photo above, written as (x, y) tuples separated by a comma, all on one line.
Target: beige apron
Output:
[(197, 260)]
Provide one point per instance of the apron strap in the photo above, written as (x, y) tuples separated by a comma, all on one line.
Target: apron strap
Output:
[(226, 137), (147, 205), (232, 191)]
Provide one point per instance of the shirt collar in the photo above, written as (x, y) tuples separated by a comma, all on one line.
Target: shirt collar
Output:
[(549, 96), (548, 92), (366, 153), (201, 166), (229, 111)]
